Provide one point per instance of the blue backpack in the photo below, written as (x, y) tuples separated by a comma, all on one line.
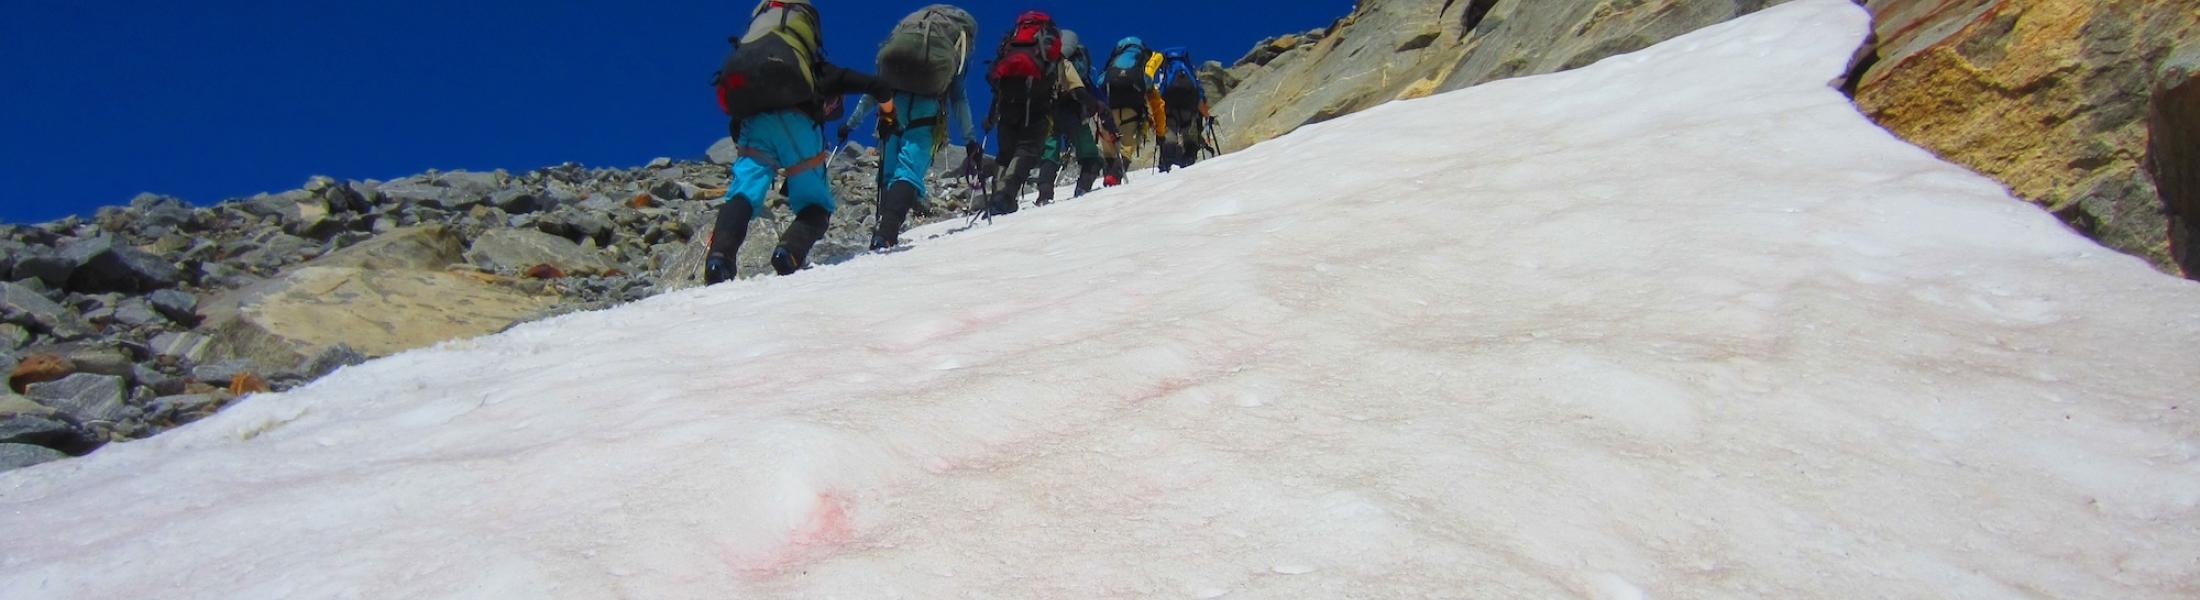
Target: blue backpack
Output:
[(1179, 81)]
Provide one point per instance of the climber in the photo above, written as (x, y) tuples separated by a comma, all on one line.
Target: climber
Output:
[(1186, 104), (923, 60), (1027, 77), (1072, 131), (775, 86), (1133, 101)]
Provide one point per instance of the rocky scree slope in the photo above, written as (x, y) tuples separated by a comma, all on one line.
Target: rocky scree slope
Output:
[(156, 313)]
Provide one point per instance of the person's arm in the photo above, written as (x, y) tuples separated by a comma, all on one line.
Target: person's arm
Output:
[(833, 80), (855, 117), (1160, 115)]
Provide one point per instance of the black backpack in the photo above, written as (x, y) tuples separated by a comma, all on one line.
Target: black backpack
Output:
[(774, 65), (1125, 81)]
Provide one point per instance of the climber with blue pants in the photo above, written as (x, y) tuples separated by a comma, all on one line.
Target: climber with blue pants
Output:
[(775, 86), (923, 60)]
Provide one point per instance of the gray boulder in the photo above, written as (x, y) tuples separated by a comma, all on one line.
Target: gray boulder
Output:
[(10, 252), (97, 358), (272, 251), (516, 201), (329, 360), (431, 194), (222, 372), (313, 218), (157, 213), (25, 422), (724, 152), (185, 346), (43, 264), (669, 189), (577, 226), (17, 456), (178, 406), (519, 249), (179, 306), (473, 184), (156, 380), (43, 430), (137, 312), (87, 397), (428, 248), (13, 337), (24, 306)]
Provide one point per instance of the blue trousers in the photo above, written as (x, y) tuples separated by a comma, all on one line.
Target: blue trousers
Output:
[(908, 156), (776, 140)]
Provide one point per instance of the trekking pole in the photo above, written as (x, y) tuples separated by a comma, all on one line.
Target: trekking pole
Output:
[(829, 158), (1214, 140)]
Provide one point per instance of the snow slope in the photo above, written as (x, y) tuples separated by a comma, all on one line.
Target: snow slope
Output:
[(1680, 324)]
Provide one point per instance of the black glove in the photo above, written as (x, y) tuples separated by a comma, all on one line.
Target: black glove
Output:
[(974, 160)]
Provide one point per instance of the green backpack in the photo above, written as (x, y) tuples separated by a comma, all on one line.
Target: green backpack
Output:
[(928, 50)]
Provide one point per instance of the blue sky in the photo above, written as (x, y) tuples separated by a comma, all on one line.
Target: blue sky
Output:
[(209, 100)]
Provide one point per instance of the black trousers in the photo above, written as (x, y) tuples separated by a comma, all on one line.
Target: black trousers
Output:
[(1023, 138)]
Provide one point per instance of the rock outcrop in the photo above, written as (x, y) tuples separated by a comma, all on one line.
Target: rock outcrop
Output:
[(1396, 49), (2050, 97), (2173, 157)]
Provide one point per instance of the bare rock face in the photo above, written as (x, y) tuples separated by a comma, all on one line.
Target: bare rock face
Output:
[(1402, 49), (2173, 157), (2050, 97)]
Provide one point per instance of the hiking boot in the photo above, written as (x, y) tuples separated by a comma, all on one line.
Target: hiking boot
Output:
[(880, 243), (784, 262), (793, 252), (717, 271)]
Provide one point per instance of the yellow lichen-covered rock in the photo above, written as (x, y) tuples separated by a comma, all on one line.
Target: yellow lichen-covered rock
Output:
[(282, 322), (2046, 96)]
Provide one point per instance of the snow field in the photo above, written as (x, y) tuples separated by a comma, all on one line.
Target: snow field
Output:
[(1678, 324)]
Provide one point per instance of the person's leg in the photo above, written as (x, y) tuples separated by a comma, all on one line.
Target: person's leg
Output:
[(893, 213), (1088, 157), (905, 183), (1050, 166), (752, 180), (809, 194), (1022, 143)]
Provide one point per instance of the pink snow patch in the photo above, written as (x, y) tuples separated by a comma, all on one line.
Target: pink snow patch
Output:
[(827, 527)]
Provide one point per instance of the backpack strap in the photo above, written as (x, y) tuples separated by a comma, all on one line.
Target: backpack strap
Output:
[(807, 164)]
